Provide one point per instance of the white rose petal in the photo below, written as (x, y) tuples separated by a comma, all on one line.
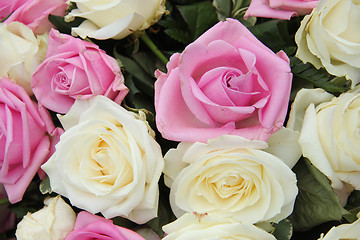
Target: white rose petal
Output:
[(21, 53), (193, 226), (53, 222), (230, 177), (329, 135), (114, 18), (284, 144), (107, 161), (303, 99), (344, 231), (330, 37)]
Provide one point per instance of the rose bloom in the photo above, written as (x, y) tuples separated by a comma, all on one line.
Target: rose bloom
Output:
[(279, 9), (344, 231), (89, 226), (7, 7), (35, 13), (223, 84), (107, 161), (76, 69), (27, 139), (230, 177), (114, 19), (21, 53), (329, 37), (329, 135), (204, 227), (53, 222)]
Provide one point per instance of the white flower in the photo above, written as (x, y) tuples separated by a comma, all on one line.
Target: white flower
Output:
[(21, 53), (330, 37), (114, 18), (349, 231), (106, 161), (329, 136), (230, 177), (53, 222), (205, 227)]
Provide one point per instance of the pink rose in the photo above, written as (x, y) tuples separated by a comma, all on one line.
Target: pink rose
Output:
[(92, 227), (27, 139), (7, 7), (280, 9), (35, 13), (76, 69), (226, 82), (7, 218)]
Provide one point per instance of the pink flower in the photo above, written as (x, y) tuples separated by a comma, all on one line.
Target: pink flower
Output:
[(35, 13), (92, 227), (75, 69), (27, 139), (226, 82), (280, 9), (7, 7)]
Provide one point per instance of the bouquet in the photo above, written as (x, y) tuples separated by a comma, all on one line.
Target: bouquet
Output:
[(154, 119)]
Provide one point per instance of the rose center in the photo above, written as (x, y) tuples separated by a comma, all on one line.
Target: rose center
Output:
[(61, 82), (102, 160), (231, 185)]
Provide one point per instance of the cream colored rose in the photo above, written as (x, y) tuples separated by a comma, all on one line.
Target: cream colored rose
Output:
[(329, 137), (107, 161), (114, 19), (205, 227), (229, 177), (53, 222), (350, 231), (21, 53), (330, 37)]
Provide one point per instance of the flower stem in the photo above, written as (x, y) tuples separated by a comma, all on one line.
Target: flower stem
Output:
[(145, 38), (4, 201)]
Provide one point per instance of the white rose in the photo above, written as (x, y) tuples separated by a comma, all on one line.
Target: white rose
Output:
[(329, 136), (350, 231), (114, 19), (53, 222), (229, 177), (21, 53), (330, 37), (205, 227), (107, 161)]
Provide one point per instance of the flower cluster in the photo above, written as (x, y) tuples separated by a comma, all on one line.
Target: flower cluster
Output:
[(154, 119)]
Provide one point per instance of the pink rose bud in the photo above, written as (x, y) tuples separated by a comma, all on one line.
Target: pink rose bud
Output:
[(280, 9), (27, 139), (226, 82), (34, 13), (76, 69), (89, 226)]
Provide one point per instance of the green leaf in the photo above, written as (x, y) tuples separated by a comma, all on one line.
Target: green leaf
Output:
[(223, 8), (187, 22), (233, 9), (199, 17), (316, 202), (353, 206), (44, 186), (62, 26), (165, 214), (142, 80), (318, 77), (283, 230), (272, 34), (123, 222)]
